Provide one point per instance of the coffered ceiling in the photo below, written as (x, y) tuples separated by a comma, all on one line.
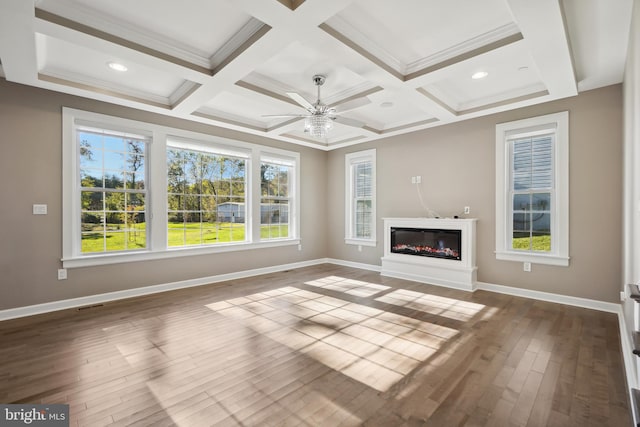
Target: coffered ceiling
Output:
[(393, 66)]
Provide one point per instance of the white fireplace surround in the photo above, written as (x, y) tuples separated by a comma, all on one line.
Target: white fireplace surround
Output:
[(459, 274)]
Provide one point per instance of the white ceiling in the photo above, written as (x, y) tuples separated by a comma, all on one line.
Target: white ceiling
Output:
[(231, 62)]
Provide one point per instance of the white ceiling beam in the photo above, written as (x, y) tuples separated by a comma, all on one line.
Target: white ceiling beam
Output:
[(287, 26), (18, 41), (541, 22)]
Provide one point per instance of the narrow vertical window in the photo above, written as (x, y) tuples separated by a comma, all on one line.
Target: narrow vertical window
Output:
[(360, 201), (532, 190), (276, 177), (112, 191)]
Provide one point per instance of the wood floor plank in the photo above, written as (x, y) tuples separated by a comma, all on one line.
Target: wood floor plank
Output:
[(320, 346)]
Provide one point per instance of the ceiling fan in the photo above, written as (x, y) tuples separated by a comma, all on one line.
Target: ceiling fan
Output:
[(320, 117)]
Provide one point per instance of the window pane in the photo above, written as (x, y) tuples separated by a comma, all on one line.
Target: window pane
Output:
[(90, 157), (541, 201), (114, 161), (113, 143), (521, 222), (541, 242), (91, 178), (541, 222), (521, 202), (114, 180), (92, 201), (521, 240)]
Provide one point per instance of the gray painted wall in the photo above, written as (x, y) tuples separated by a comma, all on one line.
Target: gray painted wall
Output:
[(457, 165), (31, 172)]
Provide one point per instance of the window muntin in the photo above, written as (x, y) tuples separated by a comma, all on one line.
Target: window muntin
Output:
[(275, 201), (112, 191), (205, 198), (532, 193), (360, 197)]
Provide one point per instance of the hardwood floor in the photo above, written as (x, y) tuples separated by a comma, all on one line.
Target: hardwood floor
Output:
[(321, 346)]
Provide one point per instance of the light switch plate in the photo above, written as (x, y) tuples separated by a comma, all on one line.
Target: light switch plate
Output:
[(39, 209)]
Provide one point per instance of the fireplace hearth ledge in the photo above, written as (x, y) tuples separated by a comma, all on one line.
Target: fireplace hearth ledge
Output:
[(458, 274)]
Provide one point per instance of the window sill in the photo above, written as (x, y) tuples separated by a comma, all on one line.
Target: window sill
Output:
[(361, 242), (558, 260), (118, 258)]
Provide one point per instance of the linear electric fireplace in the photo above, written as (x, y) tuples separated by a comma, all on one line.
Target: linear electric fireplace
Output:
[(430, 242), (431, 250)]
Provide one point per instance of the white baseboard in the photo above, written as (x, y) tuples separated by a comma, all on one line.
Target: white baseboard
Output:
[(609, 307), (629, 359), (31, 310)]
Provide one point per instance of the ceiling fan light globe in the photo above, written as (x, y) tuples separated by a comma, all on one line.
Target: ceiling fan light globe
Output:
[(317, 125)]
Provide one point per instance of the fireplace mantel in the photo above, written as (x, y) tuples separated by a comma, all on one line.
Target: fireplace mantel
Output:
[(454, 273)]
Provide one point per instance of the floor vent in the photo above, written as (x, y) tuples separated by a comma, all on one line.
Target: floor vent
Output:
[(90, 306)]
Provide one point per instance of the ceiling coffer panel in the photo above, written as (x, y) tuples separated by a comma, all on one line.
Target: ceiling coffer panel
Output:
[(388, 67)]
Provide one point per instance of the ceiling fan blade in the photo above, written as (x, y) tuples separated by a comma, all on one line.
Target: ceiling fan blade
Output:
[(300, 100), (350, 122), (284, 115), (352, 104)]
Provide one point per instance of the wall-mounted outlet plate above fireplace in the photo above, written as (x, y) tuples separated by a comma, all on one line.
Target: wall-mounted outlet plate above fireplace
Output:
[(429, 250)]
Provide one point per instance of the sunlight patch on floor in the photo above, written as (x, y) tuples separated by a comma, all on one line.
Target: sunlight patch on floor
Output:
[(375, 347), (348, 286), (433, 304)]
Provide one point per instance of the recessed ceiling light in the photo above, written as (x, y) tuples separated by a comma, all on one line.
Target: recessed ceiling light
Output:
[(523, 68), (117, 66), (479, 75), (386, 104)]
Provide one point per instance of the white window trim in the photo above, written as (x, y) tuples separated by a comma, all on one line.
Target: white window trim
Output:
[(274, 155), (157, 198), (350, 159), (560, 210)]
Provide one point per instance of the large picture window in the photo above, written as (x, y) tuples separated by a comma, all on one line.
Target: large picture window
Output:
[(360, 174), (532, 190), (136, 191), (205, 197)]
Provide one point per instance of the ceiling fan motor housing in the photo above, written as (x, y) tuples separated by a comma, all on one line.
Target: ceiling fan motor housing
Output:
[(319, 79)]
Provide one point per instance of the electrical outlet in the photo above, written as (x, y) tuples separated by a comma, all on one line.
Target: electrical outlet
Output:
[(527, 267), (467, 210), (359, 248), (300, 247), (413, 179), (418, 179), (62, 274), (623, 296)]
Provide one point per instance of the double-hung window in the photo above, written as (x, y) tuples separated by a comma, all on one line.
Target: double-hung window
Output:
[(532, 190), (112, 193), (135, 191), (360, 174)]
